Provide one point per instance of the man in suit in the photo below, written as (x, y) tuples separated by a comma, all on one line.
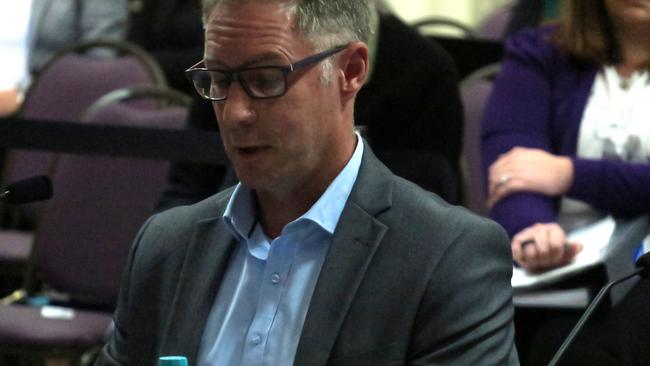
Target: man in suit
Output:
[(320, 255), (410, 108)]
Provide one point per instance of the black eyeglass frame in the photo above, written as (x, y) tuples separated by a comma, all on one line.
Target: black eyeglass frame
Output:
[(234, 75)]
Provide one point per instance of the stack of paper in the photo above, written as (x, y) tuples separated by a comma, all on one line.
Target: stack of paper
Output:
[(593, 237)]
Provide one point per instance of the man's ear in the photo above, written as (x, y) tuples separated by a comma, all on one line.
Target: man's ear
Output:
[(354, 68)]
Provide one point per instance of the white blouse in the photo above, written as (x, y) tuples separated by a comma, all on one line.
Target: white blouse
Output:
[(616, 121), (615, 125)]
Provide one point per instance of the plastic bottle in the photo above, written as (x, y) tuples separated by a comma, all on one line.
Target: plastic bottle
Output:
[(172, 361)]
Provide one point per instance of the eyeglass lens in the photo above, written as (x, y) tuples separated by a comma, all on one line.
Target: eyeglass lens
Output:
[(260, 82)]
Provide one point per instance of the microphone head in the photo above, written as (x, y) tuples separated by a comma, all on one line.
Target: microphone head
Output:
[(644, 263), (33, 189)]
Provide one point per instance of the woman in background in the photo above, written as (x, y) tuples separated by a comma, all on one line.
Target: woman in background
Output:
[(566, 134), (566, 140)]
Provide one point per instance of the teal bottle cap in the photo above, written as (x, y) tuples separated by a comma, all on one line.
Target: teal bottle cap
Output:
[(172, 361)]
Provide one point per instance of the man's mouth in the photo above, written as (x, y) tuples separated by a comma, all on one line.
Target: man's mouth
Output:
[(251, 151)]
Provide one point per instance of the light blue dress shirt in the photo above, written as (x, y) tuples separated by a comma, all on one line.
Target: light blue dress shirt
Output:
[(261, 305)]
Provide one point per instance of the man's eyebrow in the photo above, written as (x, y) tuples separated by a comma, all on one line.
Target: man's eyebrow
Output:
[(267, 58), (264, 59)]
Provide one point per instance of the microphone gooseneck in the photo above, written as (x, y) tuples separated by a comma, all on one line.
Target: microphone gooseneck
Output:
[(643, 269)]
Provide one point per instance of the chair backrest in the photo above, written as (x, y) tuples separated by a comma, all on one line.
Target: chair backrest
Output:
[(437, 22), (73, 79), (69, 83), (145, 96), (475, 90), (100, 202)]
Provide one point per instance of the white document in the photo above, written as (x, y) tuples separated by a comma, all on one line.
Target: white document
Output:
[(577, 298), (593, 237), (57, 312)]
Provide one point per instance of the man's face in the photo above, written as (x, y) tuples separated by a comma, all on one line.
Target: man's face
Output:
[(276, 145)]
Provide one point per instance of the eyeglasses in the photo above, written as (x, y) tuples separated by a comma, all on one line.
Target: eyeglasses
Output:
[(260, 82)]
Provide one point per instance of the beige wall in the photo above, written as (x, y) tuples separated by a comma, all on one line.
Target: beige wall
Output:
[(469, 12)]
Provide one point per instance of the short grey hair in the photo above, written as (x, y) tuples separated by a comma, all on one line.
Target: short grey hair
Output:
[(325, 23)]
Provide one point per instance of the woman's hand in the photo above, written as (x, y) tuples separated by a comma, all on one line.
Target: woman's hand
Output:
[(533, 170), (542, 247)]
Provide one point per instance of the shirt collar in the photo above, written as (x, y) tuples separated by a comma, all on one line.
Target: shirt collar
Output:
[(327, 210), (240, 212)]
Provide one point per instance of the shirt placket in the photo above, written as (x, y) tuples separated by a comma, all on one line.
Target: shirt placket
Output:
[(278, 265)]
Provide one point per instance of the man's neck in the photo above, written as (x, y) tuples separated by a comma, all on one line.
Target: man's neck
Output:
[(276, 211), (277, 208)]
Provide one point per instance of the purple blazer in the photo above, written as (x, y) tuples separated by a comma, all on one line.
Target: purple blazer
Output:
[(538, 101)]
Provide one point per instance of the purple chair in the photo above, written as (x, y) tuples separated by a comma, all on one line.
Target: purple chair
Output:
[(15, 246), (69, 83), (439, 22), (139, 103), (474, 91), (83, 239)]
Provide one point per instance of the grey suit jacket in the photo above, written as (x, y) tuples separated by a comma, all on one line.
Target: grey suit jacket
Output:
[(408, 279)]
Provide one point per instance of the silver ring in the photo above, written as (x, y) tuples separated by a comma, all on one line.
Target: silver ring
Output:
[(504, 179)]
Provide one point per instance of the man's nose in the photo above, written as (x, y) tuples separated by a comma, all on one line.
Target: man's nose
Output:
[(238, 107)]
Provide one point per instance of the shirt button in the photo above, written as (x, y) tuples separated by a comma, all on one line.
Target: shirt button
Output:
[(275, 278), (256, 340)]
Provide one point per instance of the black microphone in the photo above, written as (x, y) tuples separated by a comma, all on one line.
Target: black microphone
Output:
[(28, 190), (643, 270)]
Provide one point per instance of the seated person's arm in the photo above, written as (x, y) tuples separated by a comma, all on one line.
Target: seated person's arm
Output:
[(524, 174)]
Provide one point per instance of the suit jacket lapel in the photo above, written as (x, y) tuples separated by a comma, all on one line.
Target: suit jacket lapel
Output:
[(202, 272), (355, 241)]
